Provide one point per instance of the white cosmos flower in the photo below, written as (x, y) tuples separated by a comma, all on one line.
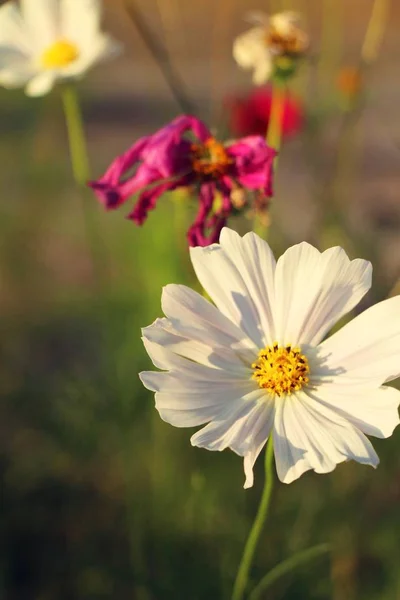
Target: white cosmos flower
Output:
[(276, 39), (44, 41), (255, 365)]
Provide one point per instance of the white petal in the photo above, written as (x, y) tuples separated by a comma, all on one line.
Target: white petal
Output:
[(80, 20), (284, 22), (197, 405), (260, 426), (249, 47), (189, 342), (42, 21), (245, 430), (373, 411), (369, 346), (310, 436), (102, 48), (314, 290), (195, 385), (262, 72), (12, 31), (165, 358), (11, 78), (15, 67), (41, 84), (199, 320), (238, 276), (224, 431)]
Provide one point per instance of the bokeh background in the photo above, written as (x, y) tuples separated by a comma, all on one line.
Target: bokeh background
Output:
[(100, 498)]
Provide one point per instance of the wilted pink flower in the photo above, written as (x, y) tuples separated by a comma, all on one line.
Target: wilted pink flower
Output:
[(170, 159)]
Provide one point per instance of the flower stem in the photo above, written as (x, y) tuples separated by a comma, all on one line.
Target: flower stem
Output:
[(76, 136), (375, 31), (160, 55), (274, 139), (285, 567), (274, 132), (242, 576)]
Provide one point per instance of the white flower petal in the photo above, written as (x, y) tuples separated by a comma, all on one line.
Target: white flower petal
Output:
[(262, 72), (373, 411), (244, 430), (189, 342), (11, 78), (102, 48), (314, 290), (196, 405), (369, 346), (196, 385), (238, 276), (192, 314), (15, 67), (41, 84), (251, 52), (224, 431), (284, 22), (259, 427), (41, 18), (248, 47), (12, 31), (80, 20), (166, 359), (308, 436)]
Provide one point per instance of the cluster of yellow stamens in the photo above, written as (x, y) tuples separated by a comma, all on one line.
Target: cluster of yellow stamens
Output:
[(281, 370), (210, 158), (60, 54)]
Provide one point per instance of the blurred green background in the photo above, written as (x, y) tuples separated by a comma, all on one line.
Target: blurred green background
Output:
[(100, 498)]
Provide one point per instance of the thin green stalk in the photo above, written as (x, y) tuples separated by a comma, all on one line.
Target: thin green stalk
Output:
[(76, 135), (274, 139), (287, 566), (274, 133), (242, 576), (375, 30), (161, 56)]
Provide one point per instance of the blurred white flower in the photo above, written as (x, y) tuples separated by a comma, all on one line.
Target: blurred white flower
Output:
[(45, 41), (274, 45), (254, 365)]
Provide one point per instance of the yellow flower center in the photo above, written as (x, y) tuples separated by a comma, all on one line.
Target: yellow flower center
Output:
[(210, 158), (60, 54), (281, 370), (293, 43)]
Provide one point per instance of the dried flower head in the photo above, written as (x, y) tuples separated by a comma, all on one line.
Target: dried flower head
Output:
[(272, 48)]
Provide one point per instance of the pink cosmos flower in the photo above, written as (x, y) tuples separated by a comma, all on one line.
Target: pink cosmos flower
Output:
[(185, 154)]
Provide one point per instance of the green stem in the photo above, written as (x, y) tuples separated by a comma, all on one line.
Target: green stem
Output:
[(375, 31), (274, 133), (76, 136), (160, 55), (242, 576), (274, 139), (285, 567)]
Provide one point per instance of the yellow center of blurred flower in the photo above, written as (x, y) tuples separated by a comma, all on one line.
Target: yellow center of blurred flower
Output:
[(281, 370), (60, 54), (293, 43), (210, 158)]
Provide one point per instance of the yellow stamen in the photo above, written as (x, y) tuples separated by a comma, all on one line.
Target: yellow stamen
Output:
[(60, 54), (281, 370), (210, 158)]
